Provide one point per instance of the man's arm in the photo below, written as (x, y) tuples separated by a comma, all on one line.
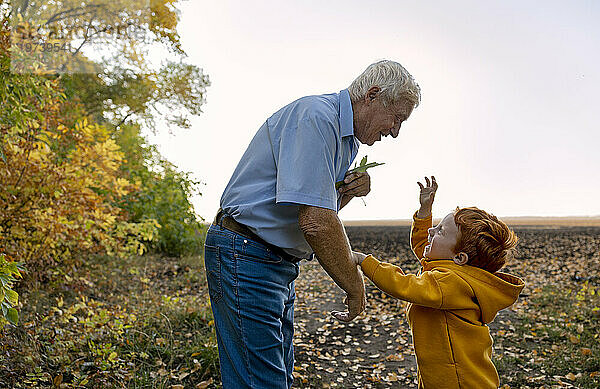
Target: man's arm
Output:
[(325, 234)]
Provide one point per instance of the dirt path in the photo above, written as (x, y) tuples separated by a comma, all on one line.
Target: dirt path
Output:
[(374, 351)]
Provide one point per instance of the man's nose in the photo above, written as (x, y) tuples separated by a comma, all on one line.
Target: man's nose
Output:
[(431, 231), (396, 130)]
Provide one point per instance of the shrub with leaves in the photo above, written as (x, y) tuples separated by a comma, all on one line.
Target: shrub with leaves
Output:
[(52, 208), (9, 273), (163, 195)]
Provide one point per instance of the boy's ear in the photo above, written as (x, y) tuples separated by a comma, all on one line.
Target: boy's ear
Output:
[(461, 258)]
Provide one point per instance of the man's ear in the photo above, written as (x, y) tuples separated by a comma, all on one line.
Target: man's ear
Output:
[(461, 258), (372, 93)]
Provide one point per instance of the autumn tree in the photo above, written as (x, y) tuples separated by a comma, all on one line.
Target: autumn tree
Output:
[(123, 86), (61, 181), (125, 93)]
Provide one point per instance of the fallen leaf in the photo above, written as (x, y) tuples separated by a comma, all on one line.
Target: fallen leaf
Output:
[(204, 384)]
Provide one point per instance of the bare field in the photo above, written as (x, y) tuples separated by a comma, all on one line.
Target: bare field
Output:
[(550, 221)]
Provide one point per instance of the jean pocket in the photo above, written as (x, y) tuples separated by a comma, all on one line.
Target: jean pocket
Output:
[(250, 250), (212, 264)]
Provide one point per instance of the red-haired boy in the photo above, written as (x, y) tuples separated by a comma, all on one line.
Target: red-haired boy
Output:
[(455, 294)]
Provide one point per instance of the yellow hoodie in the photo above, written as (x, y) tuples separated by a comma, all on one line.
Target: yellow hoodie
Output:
[(448, 311)]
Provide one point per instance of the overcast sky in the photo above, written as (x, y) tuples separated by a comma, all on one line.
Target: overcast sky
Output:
[(509, 115)]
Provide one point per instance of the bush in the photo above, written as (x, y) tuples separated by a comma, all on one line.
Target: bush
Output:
[(9, 272), (163, 196)]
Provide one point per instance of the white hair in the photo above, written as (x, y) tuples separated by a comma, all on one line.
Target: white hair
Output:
[(395, 82)]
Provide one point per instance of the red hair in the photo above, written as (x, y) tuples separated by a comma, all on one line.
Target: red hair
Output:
[(487, 241)]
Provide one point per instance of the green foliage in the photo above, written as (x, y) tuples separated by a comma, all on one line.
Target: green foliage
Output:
[(119, 95), (9, 299), (363, 166), (359, 169), (127, 22), (124, 86), (163, 196)]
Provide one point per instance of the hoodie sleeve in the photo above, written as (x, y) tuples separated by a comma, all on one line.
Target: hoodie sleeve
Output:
[(438, 288), (422, 289), (418, 235)]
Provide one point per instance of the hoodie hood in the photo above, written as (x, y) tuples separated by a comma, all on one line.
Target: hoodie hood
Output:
[(493, 291)]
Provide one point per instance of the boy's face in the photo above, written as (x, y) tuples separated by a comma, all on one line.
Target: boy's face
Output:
[(442, 239)]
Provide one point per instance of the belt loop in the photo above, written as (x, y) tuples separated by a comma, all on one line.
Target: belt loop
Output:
[(219, 218)]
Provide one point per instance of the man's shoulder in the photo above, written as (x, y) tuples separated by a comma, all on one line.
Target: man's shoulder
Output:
[(320, 106), (326, 102)]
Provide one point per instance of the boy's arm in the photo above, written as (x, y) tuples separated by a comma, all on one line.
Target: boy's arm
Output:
[(422, 218), (418, 234), (439, 288), (422, 289)]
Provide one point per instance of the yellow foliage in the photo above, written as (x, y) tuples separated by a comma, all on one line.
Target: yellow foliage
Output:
[(56, 206)]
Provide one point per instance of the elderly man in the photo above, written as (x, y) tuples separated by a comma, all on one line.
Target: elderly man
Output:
[(280, 207)]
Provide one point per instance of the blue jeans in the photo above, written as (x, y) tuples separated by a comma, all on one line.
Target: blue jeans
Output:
[(252, 298)]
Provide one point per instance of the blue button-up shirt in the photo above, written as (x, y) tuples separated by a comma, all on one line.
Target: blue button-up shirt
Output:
[(296, 157)]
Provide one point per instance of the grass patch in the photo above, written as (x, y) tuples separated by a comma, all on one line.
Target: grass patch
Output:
[(142, 322), (554, 340)]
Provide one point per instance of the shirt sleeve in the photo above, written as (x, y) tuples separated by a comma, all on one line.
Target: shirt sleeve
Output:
[(306, 164)]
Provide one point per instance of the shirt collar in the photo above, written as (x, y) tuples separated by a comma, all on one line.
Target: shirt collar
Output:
[(346, 114)]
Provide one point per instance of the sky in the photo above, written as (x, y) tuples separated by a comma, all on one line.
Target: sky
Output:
[(508, 120)]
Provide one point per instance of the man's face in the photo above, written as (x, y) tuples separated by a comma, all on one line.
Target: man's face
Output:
[(375, 121), (442, 239)]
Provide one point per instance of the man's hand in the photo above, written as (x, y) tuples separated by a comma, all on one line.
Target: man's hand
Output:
[(426, 197), (356, 184), (356, 304)]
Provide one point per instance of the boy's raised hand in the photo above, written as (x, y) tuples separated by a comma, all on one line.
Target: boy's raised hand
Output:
[(426, 196)]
